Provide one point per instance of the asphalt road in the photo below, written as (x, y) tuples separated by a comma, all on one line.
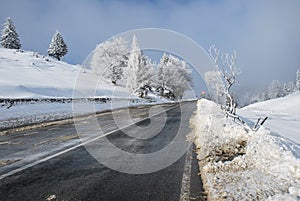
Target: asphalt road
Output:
[(58, 162)]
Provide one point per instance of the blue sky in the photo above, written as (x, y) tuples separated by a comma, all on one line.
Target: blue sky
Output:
[(265, 34)]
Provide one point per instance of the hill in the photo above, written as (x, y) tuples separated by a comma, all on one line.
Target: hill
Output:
[(35, 89), (283, 113), (25, 74)]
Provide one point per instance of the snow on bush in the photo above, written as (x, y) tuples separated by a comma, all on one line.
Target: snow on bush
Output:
[(241, 164)]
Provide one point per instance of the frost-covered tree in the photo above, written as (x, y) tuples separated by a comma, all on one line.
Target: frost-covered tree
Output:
[(110, 58), (275, 90), (9, 37), (288, 88), (216, 86), (226, 65), (174, 74), (57, 48), (139, 71), (298, 80)]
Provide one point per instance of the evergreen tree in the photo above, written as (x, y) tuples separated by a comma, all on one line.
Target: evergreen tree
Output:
[(139, 68), (110, 58), (174, 74), (57, 47), (298, 80), (290, 88), (275, 90), (9, 37)]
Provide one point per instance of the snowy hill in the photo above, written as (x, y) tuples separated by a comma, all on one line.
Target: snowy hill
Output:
[(36, 89), (283, 113), (26, 74)]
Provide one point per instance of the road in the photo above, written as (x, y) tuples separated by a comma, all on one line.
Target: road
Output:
[(58, 162)]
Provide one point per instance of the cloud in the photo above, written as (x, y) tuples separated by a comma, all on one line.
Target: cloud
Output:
[(264, 33)]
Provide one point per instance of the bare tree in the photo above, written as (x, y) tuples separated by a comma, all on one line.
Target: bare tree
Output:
[(226, 65)]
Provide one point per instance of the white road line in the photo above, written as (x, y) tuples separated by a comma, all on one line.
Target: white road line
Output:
[(186, 177), (76, 146)]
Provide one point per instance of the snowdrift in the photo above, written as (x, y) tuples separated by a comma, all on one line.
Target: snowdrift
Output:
[(241, 164)]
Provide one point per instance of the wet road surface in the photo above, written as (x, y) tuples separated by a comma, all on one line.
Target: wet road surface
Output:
[(53, 173)]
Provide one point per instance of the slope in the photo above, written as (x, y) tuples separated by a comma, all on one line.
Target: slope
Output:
[(283, 113), (25, 74)]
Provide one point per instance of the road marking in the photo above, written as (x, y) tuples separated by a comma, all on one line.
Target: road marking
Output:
[(186, 177), (79, 145)]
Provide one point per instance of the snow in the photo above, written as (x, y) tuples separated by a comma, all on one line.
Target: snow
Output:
[(28, 75), (283, 115), (237, 163)]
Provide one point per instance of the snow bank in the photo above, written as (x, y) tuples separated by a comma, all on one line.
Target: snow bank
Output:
[(240, 164)]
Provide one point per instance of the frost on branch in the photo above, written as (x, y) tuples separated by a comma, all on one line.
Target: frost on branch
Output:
[(298, 80), (57, 48), (110, 59), (139, 71), (226, 65), (214, 81), (9, 37), (228, 70), (174, 75)]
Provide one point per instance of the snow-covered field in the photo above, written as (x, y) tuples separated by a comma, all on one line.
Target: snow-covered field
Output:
[(283, 113), (28, 75), (237, 163)]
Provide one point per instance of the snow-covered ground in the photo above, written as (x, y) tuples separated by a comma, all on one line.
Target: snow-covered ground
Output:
[(237, 163), (283, 113), (28, 75)]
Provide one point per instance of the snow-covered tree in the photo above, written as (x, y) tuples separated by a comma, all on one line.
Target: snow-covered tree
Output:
[(275, 90), (174, 74), (9, 37), (226, 65), (298, 80), (57, 47), (139, 71), (288, 88), (216, 86), (110, 58)]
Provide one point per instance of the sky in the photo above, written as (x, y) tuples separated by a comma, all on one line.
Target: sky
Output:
[(264, 33)]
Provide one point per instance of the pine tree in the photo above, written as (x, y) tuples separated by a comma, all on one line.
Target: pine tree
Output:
[(298, 80), (174, 74), (139, 68), (110, 58), (10, 38), (275, 90), (57, 47), (290, 87)]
